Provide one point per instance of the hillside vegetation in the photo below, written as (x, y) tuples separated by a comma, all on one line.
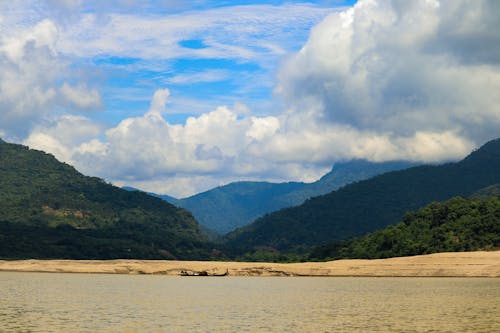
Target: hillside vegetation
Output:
[(49, 210), (490, 191), (453, 226), (369, 205)]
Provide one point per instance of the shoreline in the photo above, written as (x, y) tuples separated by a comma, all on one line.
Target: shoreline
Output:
[(450, 264)]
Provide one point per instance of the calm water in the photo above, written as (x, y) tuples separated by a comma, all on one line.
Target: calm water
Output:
[(38, 302)]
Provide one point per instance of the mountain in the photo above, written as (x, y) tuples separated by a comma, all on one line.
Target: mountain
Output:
[(453, 226), (50, 210), (369, 205), (228, 207)]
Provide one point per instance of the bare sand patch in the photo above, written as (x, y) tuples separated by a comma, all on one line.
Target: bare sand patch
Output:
[(454, 264)]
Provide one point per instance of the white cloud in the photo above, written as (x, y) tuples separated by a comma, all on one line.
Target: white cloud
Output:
[(324, 144), (28, 67), (159, 101), (43, 34), (30, 84), (81, 96), (148, 147), (215, 146), (402, 69), (254, 32), (212, 75), (48, 143), (63, 136), (262, 128)]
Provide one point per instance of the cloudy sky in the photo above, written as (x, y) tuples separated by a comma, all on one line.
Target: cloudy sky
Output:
[(177, 97)]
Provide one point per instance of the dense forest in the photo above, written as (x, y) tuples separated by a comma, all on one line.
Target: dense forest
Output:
[(455, 225), (49, 210), (369, 205)]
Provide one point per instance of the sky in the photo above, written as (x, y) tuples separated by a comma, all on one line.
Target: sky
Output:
[(177, 97)]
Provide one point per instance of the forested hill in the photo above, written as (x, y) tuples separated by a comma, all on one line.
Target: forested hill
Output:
[(453, 226), (49, 210), (237, 204), (369, 205)]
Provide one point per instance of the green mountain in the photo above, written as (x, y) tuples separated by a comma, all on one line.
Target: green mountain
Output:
[(49, 210), (369, 205), (455, 225), (228, 207)]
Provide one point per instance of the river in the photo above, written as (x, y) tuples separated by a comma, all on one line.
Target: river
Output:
[(52, 302)]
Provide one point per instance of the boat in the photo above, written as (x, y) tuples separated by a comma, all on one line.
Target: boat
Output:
[(202, 273)]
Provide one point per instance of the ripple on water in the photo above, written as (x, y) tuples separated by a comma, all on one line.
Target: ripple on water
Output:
[(37, 302)]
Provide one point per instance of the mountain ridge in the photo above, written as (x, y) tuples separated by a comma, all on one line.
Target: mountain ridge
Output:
[(368, 205), (236, 204)]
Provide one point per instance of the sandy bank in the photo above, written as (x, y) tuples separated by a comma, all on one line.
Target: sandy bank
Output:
[(459, 264)]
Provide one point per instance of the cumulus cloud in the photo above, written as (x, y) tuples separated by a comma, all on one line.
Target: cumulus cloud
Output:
[(30, 84), (28, 68), (325, 144), (63, 136), (81, 97), (402, 69), (205, 151), (159, 101), (148, 146)]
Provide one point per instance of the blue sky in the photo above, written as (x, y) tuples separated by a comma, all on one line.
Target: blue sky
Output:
[(177, 97), (201, 83)]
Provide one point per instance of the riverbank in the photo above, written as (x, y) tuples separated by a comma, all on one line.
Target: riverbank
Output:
[(455, 264)]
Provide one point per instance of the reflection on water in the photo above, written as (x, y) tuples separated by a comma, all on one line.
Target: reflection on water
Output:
[(38, 302)]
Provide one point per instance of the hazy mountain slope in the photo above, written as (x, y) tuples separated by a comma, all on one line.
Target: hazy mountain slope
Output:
[(237, 204), (48, 209), (370, 205), (455, 225), (342, 174)]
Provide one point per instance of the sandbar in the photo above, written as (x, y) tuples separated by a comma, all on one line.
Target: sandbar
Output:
[(451, 264)]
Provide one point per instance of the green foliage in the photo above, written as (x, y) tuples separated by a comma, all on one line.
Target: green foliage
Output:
[(452, 226), (484, 193), (48, 209), (369, 205)]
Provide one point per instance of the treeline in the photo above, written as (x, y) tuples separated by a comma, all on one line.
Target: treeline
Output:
[(455, 225)]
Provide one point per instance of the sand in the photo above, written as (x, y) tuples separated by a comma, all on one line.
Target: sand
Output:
[(456, 264)]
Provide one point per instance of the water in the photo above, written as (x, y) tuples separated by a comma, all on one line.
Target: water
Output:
[(38, 302)]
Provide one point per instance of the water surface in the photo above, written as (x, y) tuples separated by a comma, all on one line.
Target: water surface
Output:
[(44, 302)]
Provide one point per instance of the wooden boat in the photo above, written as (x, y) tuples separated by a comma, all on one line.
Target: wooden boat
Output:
[(202, 273)]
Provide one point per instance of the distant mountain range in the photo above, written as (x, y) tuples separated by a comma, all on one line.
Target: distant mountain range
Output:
[(369, 205), (49, 210), (228, 207)]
